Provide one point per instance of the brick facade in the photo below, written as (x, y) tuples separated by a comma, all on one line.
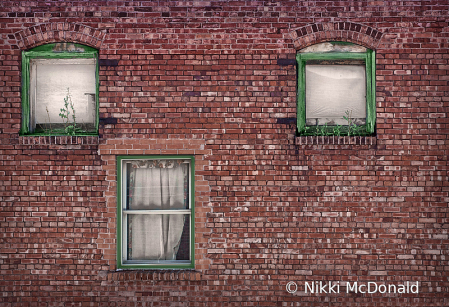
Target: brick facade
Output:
[(217, 80)]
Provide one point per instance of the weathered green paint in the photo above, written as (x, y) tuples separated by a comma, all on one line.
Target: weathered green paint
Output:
[(332, 56), (53, 48), (48, 52), (25, 94), (119, 211), (341, 43), (370, 67), (371, 91), (120, 207), (301, 96)]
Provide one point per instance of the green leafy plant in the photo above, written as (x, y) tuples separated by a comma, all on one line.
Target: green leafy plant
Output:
[(353, 129), (356, 130), (349, 119), (323, 130), (337, 130), (69, 127)]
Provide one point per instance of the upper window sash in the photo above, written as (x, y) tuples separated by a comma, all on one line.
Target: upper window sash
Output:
[(370, 66)]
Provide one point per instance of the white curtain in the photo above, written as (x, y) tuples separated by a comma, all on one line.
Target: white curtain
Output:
[(156, 185), (50, 79), (331, 90)]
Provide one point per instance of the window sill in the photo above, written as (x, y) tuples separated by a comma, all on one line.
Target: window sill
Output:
[(58, 140), (336, 140), (154, 275)]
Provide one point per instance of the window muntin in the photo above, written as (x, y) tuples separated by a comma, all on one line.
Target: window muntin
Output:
[(155, 212), (51, 73), (334, 80)]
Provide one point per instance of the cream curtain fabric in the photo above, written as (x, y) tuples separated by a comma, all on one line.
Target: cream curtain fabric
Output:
[(50, 79), (156, 185), (331, 90)]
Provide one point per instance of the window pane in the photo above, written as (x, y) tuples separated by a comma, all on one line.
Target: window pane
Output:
[(157, 185), (49, 81), (331, 90), (158, 237)]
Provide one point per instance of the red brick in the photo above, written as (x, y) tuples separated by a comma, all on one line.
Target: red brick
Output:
[(202, 78)]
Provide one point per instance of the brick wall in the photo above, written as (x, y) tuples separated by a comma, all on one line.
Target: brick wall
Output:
[(217, 80)]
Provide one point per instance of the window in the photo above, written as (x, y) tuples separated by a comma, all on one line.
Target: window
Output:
[(60, 90), (336, 90), (155, 212)]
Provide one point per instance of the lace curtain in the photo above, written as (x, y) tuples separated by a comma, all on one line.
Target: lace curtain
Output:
[(156, 185)]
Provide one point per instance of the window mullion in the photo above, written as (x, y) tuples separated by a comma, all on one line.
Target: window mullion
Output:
[(179, 211)]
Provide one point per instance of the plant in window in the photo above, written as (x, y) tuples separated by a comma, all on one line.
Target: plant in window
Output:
[(336, 130), (351, 125), (353, 128), (70, 128), (49, 121), (323, 130)]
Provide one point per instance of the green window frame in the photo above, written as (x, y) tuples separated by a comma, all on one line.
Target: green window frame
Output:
[(368, 58), (55, 54), (130, 206)]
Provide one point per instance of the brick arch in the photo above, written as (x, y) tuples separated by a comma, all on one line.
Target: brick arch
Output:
[(336, 31), (59, 32)]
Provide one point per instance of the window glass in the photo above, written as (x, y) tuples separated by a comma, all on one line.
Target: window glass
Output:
[(51, 81), (333, 89)]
